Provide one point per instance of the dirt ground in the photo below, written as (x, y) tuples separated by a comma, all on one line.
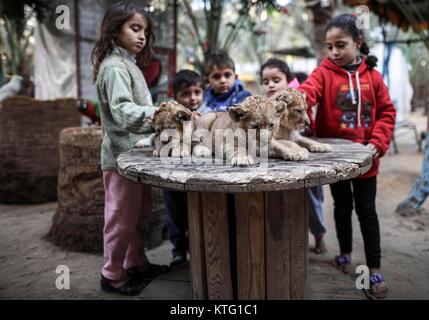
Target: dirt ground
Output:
[(28, 263)]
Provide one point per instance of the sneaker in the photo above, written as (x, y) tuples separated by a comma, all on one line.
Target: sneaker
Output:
[(408, 210)]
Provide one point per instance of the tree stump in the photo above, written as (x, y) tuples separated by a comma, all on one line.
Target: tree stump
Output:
[(29, 133), (79, 219)]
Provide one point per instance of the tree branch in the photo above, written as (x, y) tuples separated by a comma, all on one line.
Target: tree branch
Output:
[(234, 32), (194, 23)]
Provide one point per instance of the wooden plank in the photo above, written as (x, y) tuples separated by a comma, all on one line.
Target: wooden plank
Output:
[(297, 203), (307, 251), (196, 247), (216, 245), (250, 245), (277, 247)]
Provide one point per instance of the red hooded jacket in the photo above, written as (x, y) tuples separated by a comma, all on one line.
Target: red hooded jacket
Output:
[(355, 107)]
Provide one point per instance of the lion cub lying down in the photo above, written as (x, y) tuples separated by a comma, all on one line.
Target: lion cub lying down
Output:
[(292, 123), (170, 115), (255, 112)]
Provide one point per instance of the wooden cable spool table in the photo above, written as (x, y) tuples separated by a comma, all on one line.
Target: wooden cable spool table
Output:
[(248, 226)]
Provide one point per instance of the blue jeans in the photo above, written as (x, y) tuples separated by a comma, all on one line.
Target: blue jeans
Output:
[(420, 188), (177, 221), (315, 215)]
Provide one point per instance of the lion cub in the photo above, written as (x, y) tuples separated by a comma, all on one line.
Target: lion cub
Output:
[(255, 112), (293, 123), (170, 115)]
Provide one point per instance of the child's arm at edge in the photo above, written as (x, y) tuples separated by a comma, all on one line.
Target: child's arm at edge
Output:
[(313, 89)]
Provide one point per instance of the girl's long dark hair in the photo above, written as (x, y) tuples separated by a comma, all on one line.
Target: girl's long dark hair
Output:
[(110, 28), (347, 23)]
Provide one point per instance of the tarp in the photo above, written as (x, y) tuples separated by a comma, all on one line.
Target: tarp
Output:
[(398, 82), (55, 59)]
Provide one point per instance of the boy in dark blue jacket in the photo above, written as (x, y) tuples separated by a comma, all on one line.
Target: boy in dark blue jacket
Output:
[(225, 89)]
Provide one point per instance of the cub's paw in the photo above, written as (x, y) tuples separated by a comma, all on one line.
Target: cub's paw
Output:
[(320, 147), (145, 142), (242, 161), (301, 154), (156, 153), (176, 152), (296, 155), (185, 153), (201, 151)]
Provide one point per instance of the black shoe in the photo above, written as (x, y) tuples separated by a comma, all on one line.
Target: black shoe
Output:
[(177, 259), (129, 288), (153, 271)]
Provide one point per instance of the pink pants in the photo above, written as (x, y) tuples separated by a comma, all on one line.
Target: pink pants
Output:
[(126, 205)]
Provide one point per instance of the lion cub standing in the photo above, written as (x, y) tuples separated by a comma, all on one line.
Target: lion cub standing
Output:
[(255, 112), (294, 122), (170, 115)]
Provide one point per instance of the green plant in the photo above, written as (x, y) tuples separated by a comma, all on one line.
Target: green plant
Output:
[(17, 25)]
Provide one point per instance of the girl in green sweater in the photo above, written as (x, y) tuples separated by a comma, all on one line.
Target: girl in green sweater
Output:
[(125, 106)]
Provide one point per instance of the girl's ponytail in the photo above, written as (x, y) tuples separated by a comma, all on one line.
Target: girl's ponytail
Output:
[(364, 49), (371, 60)]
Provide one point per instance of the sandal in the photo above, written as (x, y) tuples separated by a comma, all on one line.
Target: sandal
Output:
[(343, 263), (375, 280), (129, 288), (177, 260), (153, 271)]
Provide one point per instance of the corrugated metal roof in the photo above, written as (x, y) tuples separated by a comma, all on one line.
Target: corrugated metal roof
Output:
[(402, 13)]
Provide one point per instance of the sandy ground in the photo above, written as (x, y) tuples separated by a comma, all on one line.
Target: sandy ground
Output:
[(28, 263)]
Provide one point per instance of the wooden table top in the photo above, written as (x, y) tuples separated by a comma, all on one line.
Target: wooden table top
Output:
[(347, 160)]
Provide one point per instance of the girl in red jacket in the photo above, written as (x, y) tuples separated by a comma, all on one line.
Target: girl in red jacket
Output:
[(354, 104)]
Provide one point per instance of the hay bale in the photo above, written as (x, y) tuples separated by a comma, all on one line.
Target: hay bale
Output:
[(29, 133), (79, 219)]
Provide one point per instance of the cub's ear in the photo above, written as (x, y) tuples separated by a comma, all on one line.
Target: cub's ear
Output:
[(238, 112), (281, 108), (286, 96), (163, 105), (182, 115)]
